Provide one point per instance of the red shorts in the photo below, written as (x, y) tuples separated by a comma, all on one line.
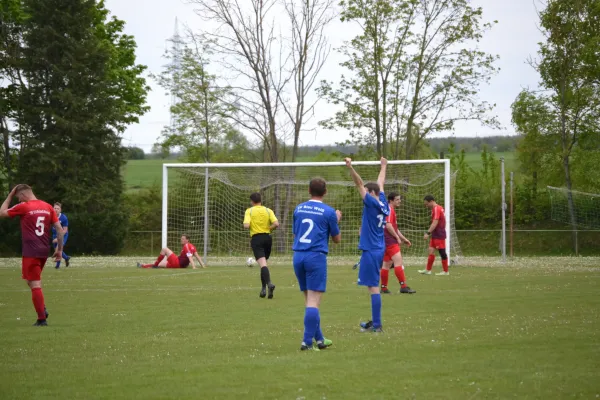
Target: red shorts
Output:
[(173, 261), (31, 268), (438, 244), (391, 251)]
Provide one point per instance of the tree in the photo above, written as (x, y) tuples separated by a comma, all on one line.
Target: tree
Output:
[(201, 114), (414, 71), (75, 86), (566, 111), (134, 153)]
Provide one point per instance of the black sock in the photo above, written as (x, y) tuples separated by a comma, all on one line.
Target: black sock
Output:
[(265, 276)]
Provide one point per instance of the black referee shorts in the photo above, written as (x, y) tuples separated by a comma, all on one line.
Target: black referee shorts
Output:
[(261, 244)]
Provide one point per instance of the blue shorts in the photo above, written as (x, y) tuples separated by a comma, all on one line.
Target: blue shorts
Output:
[(370, 267), (64, 240), (311, 270)]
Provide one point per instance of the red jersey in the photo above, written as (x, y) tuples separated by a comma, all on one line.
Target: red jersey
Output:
[(391, 219), (440, 230), (187, 251), (37, 217)]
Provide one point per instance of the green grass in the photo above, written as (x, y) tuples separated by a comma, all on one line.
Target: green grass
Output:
[(116, 332), (510, 161)]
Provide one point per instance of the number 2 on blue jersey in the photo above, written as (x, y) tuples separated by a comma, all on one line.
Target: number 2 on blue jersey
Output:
[(311, 225)]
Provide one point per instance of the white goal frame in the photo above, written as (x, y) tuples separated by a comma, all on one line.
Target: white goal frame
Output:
[(207, 166)]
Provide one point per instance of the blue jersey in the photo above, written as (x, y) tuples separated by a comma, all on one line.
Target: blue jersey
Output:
[(313, 223), (373, 222), (64, 222)]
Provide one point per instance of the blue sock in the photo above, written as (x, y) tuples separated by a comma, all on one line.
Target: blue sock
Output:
[(311, 321), (57, 264), (376, 310), (319, 334), (65, 256)]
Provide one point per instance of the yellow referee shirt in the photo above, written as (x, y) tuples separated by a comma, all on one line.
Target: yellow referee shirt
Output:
[(260, 219)]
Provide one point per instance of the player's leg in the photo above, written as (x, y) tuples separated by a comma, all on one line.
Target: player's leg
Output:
[(430, 260), (54, 245), (315, 267), (267, 244), (399, 271), (161, 257), (368, 275), (444, 257), (385, 275), (172, 261), (64, 255), (259, 255), (31, 269)]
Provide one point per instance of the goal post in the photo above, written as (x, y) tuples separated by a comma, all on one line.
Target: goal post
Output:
[(207, 201)]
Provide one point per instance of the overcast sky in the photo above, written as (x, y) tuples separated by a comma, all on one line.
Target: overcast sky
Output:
[(514, 39)]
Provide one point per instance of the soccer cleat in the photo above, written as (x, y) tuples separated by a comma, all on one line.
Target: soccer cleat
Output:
[(385, 290), (263, 293), (67, 262), (407, 290), (40, 322), (139, 265), (322, 345), (305, 347), (442, 273), (46, 312), (356, 265), (377, 330), (365, 326), (425, 272), (271, 290)]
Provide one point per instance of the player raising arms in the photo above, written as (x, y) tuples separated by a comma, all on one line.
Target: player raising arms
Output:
[(37, 217), (371, 242), (261, 221), (168, 259), (437, 232), (64, 222), (313, 223), (393, 256)]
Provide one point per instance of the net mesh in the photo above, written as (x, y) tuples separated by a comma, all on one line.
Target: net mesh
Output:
[(586, 207), (282, 188)]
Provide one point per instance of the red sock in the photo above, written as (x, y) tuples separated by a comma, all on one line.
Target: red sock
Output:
[(385, 273), (445, 265), (430, 261), (148, 265), (158, 260), (38, 302), (399, 271)]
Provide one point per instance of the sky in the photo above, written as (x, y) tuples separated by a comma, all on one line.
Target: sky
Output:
[(514, 38)]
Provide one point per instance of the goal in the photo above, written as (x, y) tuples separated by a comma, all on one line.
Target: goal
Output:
[(208, 201), (585, 207)]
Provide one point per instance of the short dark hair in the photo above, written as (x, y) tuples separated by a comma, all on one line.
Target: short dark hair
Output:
[(392, 196), (56, 203), (429, 198), (317, 187), (372, 187), (256, 198), (185, 235), (21, 188)]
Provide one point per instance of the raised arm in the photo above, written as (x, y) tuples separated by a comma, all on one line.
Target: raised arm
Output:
[(6, 204), (382, 171), (356, 178)]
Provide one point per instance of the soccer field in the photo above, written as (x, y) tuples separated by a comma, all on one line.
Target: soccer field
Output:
[(527, 330)]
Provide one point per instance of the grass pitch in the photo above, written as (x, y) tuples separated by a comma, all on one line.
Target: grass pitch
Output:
[(518, 331)]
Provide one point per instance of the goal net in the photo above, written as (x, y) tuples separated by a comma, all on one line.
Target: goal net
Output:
[(586, 207), (208, 201)]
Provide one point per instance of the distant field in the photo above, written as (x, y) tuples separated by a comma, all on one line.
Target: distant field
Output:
[(144, 173)]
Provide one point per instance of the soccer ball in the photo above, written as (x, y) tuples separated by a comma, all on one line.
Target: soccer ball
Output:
[(250, 262)]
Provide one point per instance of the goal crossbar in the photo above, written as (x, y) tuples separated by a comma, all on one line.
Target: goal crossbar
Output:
[(207, 166)]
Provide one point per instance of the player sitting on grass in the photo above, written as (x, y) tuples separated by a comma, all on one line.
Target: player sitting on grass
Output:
[(64, 222), (371, 242), (313, 224), (437, 232), (168, 259), (393, 256), (37, 217)]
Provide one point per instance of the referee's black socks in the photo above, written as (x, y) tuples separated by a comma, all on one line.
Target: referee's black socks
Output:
[(265, 276)]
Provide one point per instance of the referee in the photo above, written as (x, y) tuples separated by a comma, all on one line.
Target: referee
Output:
[(261, 221)]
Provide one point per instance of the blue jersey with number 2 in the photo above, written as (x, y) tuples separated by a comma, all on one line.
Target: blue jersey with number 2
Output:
[(373, 222), (313, 223)]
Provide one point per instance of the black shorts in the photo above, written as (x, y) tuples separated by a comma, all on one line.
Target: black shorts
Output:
[(261, 244)]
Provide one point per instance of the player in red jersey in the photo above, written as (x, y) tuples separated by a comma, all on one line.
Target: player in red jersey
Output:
[(37, 218), (168, 259), (437, 232), (393, 256)]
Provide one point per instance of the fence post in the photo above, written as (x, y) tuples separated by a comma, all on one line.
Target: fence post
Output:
[(576, 242), (151, 242), (503, 185)]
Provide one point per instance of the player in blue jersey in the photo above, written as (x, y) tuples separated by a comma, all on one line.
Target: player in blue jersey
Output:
[(371, 243), (313, 223), (64, 222)]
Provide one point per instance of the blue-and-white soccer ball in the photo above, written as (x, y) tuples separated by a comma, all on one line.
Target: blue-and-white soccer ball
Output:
[(250, 262)]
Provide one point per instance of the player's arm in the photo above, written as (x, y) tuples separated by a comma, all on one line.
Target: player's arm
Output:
[(199, 259), (247, 219), (6, 204), (338, 217), (434, 224), (273, 220), (404, 239), (60, 235), (382, 171), (390, 228), (360, 185), (66, 227)]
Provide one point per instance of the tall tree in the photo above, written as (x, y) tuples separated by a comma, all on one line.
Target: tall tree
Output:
[(77, 88), (567, 108)]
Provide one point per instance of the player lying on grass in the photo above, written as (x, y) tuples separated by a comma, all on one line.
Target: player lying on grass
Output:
[(37, 217), (168, 259), (313, 223), (393, 256), (64, 222), (375, 210), (437, 233), (261, 221)]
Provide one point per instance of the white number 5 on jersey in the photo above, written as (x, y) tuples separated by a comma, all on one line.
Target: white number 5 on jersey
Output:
[(40, 226)]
